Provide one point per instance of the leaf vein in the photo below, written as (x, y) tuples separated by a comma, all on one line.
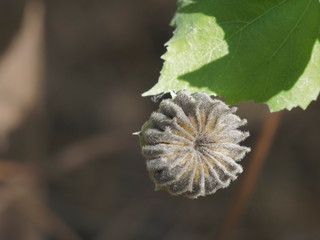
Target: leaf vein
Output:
[(288, 36)]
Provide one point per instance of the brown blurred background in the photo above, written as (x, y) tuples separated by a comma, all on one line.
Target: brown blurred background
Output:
[(71, 75)]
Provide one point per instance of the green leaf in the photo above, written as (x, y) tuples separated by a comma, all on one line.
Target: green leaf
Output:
[(262, 50)]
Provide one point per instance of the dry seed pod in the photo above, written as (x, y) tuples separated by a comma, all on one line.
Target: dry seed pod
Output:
[(191, 145)]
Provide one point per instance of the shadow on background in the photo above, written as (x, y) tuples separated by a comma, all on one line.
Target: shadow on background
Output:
[(264, 58), (9, 9)]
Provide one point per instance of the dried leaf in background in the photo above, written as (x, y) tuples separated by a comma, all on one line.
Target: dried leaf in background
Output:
[(21, 70)]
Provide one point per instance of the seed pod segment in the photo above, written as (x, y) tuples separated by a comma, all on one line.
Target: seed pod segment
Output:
[(191, 145)]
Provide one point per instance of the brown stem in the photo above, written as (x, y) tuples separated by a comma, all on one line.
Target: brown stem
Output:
[(248, 181)]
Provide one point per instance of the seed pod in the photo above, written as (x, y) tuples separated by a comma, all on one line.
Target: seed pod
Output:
[(191, 145)]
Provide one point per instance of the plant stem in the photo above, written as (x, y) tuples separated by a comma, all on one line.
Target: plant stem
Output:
[(249, 179)]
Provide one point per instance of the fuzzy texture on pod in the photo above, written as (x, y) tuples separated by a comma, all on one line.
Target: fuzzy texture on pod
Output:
[(191, 145)]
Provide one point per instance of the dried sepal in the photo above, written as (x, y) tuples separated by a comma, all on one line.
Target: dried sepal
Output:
[(191, 145)]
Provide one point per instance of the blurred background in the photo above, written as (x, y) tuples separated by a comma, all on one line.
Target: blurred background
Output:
[(71, 76)]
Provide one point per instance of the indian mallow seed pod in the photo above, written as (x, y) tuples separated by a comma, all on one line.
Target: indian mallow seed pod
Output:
[(191, 145)]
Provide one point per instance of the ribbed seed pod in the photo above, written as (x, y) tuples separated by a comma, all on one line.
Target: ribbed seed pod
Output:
[(191, 145)]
